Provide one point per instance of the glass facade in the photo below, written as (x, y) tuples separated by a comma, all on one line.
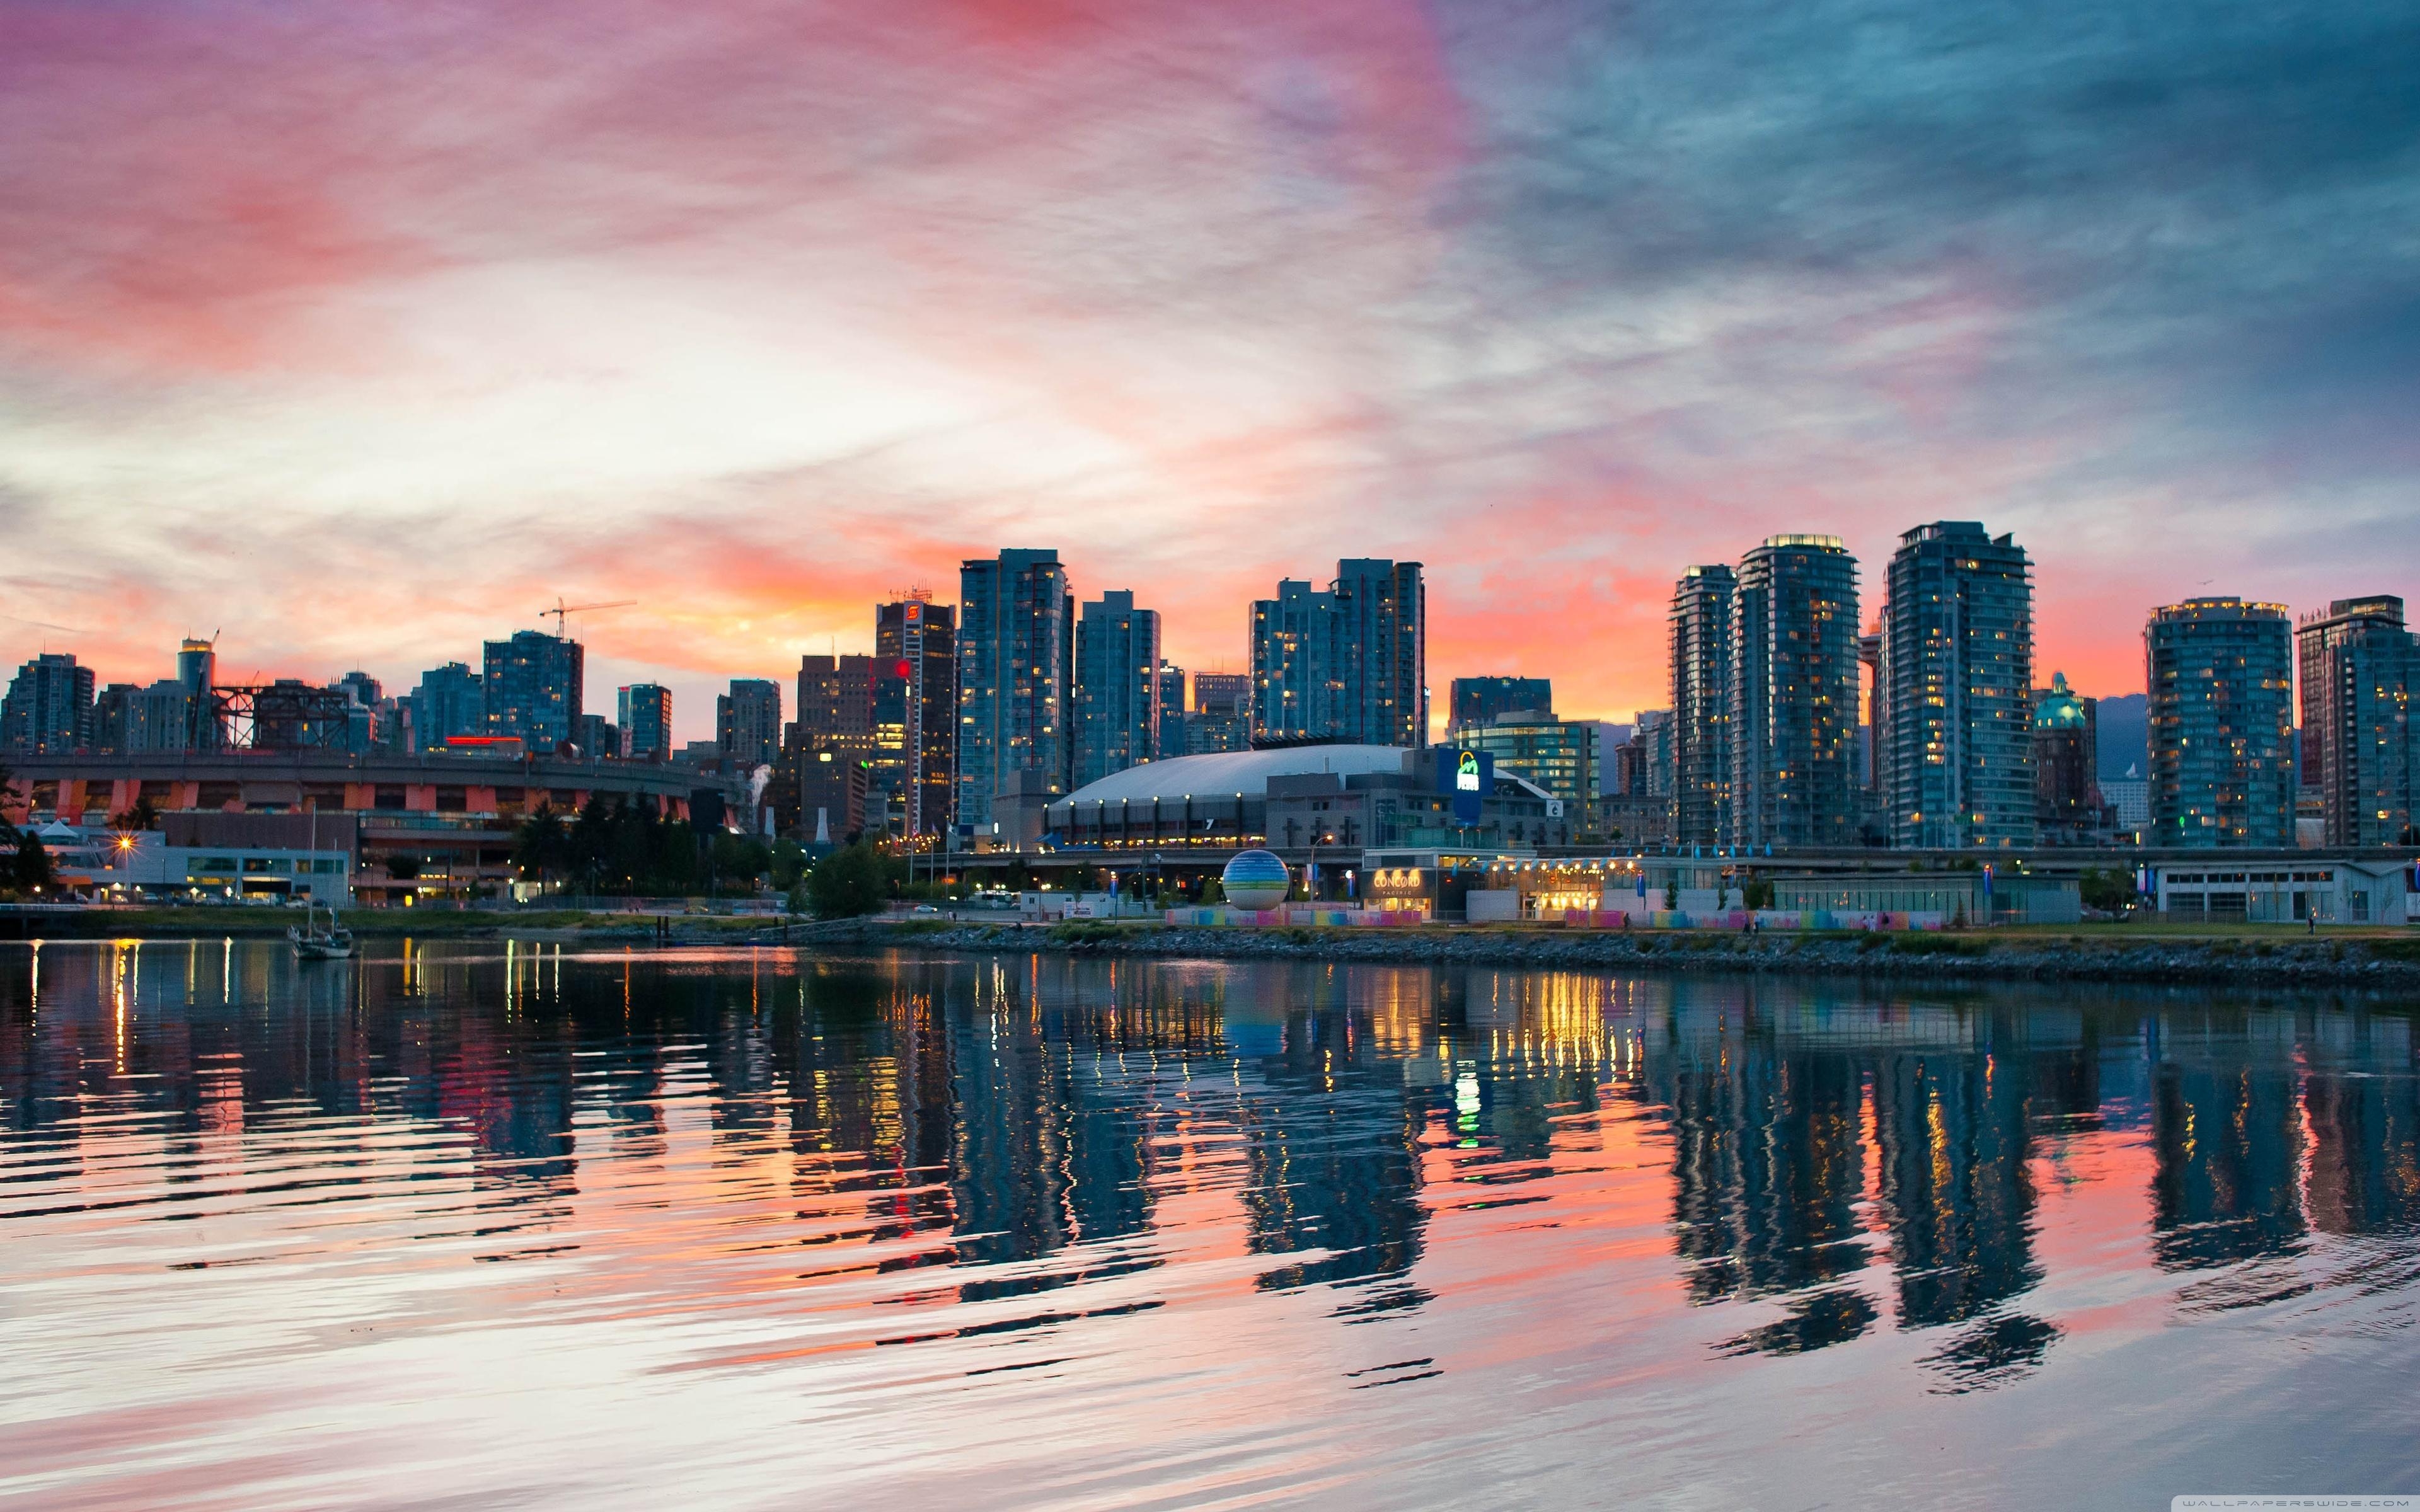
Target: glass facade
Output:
[(2220, 723), (1477, 700), (2359, 668), (1348, 664), (1117, 686), (1702, 704), (532, 687), (1016, 656), (1560, 755), (1794, 723), (1953, 743)]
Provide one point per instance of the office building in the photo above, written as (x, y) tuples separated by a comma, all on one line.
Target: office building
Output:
[(48, 711), (452, 701), (2359, 668), (1221, 716), (832, 759), (747, 723), (595, 738), (645, 712), (1953, 741), (1015, 660), (1702, 704), (1794, 725), (915, 650), (1117, 686), (1564, 756), (1348, 664), (533, 686), (2220, 723), (1474, 701)]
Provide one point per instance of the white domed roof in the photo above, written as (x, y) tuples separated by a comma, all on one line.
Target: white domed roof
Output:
[(1225, 774)]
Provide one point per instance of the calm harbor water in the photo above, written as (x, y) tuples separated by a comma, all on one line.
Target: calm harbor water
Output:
[(484, 1224)]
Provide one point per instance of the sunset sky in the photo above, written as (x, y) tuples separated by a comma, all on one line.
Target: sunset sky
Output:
[(361, 331)]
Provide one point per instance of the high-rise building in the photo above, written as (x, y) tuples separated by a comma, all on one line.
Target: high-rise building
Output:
[(534, 687), (1014, 662), (1794, 725), (1171, 739), (915, 644), (1953, 743), (1292, 640), (2361, 671), (197, 671), (645, 712), (1473, 701), (48, 711), (1349, 664), (132, 720), (594, 736), (452, 701), (1221, 716), (2068, 804), (2220, 723), (1652, 731), (1702, 704), (748, 722), (1383, 648), (1117, 686), (834, 744)]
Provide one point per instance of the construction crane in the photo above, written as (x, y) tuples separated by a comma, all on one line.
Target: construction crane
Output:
[(563, 609)]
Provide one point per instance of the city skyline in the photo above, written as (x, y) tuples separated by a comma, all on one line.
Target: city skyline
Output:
[(1556, 305)]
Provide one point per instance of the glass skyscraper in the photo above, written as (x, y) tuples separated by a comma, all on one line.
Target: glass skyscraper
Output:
[(1793, 704), (1014, 663), (1477, 700), (1953, 748), (2220, 723), (1700, 722), (1117, 686), (2360, 667), (533, 686), (645, 712), (1349, 664), (915, 646)]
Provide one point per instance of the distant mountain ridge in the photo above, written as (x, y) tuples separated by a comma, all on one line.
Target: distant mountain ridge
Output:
[(2121, 737)]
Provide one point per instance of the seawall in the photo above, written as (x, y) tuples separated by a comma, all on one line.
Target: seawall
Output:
[(2366, 962)]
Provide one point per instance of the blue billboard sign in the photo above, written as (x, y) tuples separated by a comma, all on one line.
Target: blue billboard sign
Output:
[(1466, 776)]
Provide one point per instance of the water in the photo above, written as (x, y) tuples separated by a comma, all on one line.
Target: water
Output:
[(484, 1225)]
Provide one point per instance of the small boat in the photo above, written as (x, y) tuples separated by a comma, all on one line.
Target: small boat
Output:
[(312, 943)]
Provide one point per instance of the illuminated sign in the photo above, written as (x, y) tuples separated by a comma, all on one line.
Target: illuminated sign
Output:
[(915, 612), (1468, 775)]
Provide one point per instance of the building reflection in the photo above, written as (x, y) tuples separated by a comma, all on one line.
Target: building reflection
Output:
[(1021, 1125)]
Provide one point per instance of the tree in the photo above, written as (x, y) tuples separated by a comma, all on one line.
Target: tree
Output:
[(1672, 896), (542, 848), (2109, 890), (789, 864), (403, 868), (33, 864), (851, 883), (139, 815)]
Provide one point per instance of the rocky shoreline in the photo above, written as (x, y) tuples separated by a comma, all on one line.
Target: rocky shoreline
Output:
[(2386, 963)]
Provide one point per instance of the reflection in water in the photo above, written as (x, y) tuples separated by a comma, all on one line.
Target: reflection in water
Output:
[(763, 1163)]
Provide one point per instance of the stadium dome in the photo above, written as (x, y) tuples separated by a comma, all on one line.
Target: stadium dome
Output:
[(1230, 774), (1256, 880)]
